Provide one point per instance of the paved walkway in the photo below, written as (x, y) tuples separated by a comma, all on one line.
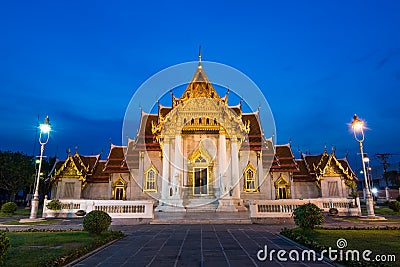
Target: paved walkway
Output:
[(194, 245)]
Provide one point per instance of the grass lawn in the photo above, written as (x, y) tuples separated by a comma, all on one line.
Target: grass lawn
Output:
[(47, 248), (356, 219), (31, 223), (20, 212), (381, 211), (380, 242)]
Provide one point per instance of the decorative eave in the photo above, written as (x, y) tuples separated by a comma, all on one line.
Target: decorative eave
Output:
[(321, 168), (79, 173), (85, 167), (64, 165)]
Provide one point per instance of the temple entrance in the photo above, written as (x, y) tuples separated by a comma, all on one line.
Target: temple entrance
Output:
[(282, 193), (119, 193), (119, 189), (282, 188), (200, 185)]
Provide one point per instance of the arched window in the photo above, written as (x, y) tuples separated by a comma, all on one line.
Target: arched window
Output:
[(250, 179), (150, 180)]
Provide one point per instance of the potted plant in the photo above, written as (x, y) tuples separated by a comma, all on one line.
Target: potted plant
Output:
[(54, 207)]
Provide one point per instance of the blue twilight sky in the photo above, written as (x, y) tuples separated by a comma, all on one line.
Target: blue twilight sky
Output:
[(317, 62)]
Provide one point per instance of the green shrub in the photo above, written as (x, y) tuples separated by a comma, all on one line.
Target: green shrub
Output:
[(54, 204), (9, 208), (4, 244), (394, 205), (307, 216), (398, 198), (96, 221)]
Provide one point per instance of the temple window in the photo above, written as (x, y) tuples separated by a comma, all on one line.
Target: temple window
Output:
[(150, 183), (250, 179)]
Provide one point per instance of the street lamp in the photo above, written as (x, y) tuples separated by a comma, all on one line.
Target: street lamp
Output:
[(45, 129), (358, 128)]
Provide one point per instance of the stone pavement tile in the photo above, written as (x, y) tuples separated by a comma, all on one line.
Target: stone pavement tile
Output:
[(135, 262), (237, 256), (318, 264), (215, 263), (188, 263), (213, 254), (241, 262), (270, 263)]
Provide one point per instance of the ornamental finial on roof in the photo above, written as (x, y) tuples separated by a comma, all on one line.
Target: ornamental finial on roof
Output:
[(200, 55)]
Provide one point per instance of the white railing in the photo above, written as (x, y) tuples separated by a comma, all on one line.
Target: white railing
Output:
[(137, 209), (285, 207)]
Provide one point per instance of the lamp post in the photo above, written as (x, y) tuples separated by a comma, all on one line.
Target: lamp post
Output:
[(358, 128), (45, 129)]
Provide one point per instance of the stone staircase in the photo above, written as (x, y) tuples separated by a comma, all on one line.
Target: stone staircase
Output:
[(201, 218), (201, 205), (206, 203)]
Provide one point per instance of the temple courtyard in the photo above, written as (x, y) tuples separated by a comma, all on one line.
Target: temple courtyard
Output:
[(199, 240)]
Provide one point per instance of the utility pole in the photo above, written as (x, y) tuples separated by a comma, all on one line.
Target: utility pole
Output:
[(384, 161)]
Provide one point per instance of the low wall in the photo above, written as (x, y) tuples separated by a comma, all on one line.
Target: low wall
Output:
[(284, 208), (138, 209)]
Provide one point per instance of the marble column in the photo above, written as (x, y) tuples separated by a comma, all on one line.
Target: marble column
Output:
[(178, 158), (235, 168), (165, 170), (141, 170), (222, 165), (109, 187), (260, 173), (291, 185)]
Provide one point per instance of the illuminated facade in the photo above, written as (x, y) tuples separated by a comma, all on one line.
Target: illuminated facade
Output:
[(201, 153)]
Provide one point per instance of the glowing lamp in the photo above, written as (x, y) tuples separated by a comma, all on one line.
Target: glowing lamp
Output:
[(45, 127)]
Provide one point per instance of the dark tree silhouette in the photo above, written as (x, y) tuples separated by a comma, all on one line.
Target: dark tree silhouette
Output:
[(16, 172)]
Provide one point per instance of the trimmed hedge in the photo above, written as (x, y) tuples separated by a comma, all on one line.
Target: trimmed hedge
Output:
[(4, 245), (96, 221), (394, 205), (54, 204), (308, 216), (9, 208)]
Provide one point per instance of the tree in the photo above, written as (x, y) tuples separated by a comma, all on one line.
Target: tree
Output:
[(393, 177), (16, 172)]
